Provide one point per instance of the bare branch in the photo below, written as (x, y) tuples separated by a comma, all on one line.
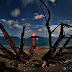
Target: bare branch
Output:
[(65, 44), (55, 28), (61, 36), (8, 53), (9, 40), (22, 35), (48, 54), (43, 13), (12, 44), (67, 25), (47, 10), (47, 24)]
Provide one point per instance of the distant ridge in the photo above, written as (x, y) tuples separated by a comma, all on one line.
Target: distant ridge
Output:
[(10, 36)]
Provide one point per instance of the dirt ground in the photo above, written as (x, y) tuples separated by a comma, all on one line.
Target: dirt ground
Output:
[(6, 67)]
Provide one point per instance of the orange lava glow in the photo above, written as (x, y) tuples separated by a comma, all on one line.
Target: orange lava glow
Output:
[(33, 34), (33, 41)]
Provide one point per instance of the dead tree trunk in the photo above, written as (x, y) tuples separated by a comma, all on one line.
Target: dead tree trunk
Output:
[(22, 35), (27, 57), (20, 55), (48, 54), (12, 44), (9, 40), (65, 45), (47, 24), (52, 50), (8, 53), (61, 36)]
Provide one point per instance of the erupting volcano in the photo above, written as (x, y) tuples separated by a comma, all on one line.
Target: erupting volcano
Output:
[(34, 36)]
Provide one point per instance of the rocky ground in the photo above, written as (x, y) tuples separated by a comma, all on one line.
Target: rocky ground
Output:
[(6, 67)]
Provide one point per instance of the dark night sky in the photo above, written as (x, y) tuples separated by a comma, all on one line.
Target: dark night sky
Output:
[(15, 12)]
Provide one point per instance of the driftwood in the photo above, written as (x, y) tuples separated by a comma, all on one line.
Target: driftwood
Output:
[(20, 56), (10, 41), (59, 52), (50, 56), (8, 53), (52, 53), (65, 44), (47, 24)]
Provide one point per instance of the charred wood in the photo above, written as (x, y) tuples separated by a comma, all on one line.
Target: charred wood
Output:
[(9, 40), (8, 53)]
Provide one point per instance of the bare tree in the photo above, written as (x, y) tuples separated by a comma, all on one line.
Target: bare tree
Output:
[(52, 51), (51, 55), (20, 56)]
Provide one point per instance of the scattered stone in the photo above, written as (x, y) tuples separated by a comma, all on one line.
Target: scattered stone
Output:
[(64, 68), (70, 68), (19, 64), (44, 64), (24, 64), (67, 61), (32, 64), (45, 69), (56, 64), (30, 69), (27, 62), (52, 65), (7, 60)]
